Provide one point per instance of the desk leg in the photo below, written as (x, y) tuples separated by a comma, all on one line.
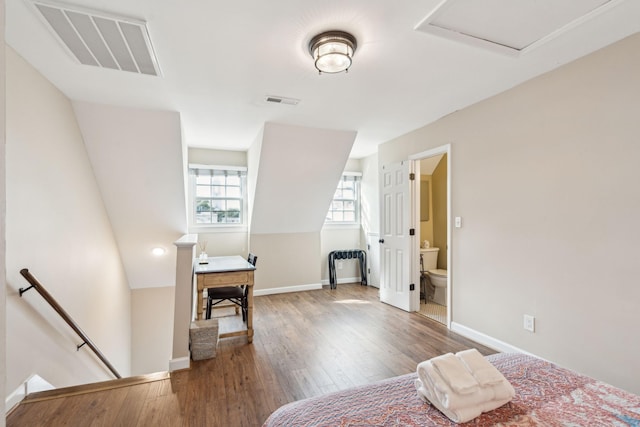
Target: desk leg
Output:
[(199, 296), (250, 314)]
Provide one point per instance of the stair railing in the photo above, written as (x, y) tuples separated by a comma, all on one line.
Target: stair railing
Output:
[(57, 307)]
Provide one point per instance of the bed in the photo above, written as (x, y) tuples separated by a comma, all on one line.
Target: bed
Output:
[(546, 395)]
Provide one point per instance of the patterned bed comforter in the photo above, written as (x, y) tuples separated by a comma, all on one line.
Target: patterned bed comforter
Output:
[(546, 395)]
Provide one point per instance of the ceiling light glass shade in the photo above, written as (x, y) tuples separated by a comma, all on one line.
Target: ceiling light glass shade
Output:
[(332, 51)]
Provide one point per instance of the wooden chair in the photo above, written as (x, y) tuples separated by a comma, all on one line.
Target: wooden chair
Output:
[(234, 294)]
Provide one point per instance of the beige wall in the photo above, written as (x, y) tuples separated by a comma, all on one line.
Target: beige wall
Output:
[(439, 203), (57, 227), (223, 243), (545, 177), (152, 329), (426, 227), (3, 362), (339, 238), (286, 260)]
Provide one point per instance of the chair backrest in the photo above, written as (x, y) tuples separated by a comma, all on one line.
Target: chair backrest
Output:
[(252, 259)]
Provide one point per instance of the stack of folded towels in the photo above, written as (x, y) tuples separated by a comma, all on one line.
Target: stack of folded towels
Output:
[(462, 385)]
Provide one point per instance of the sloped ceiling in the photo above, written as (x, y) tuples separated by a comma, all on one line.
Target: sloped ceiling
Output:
[(298, 169), (137, 158)]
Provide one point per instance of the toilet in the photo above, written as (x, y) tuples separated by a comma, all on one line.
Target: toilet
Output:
[(437, 275)]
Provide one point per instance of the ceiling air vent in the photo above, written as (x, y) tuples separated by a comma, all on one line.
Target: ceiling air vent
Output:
[(281, 100), (100, 39)]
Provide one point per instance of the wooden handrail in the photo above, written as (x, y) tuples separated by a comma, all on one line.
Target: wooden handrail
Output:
[(57, 307)]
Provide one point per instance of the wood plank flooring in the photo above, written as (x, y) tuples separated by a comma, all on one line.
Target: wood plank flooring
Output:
[(305, 344)]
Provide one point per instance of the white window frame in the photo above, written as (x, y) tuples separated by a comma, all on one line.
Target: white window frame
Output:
[(357, 177), (195, 226)]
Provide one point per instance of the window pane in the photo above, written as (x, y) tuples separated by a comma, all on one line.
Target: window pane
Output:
[(203, 218), (234, 192), (218, 191), (203, 206), (218, 196), (344, 207), (203, 180), (218, 205), (233, 216), (203, 191), (233, 180), (233, 205), (218, 180)]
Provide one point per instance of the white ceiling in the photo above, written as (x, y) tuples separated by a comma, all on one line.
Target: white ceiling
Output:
[(219, 59)]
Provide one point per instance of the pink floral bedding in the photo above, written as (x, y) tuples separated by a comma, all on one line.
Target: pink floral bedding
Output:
[(546, 395)]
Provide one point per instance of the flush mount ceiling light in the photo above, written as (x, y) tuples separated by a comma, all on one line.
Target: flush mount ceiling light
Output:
[(332, 51)]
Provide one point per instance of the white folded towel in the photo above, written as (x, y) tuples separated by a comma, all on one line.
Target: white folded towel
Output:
[(460, 415), (445, 395), (437, 376), (481, 369), (455, 374)]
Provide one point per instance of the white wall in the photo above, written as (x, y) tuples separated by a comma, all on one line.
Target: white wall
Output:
[(299, 169), (545, 177), (370, 215), (136, 155), (57, 227), (342, 237), (152, 329)]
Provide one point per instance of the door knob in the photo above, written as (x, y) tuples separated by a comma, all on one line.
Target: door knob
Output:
[(381, 241)]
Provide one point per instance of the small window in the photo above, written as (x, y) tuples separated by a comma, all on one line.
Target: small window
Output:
[(345, 206), (218, 196)]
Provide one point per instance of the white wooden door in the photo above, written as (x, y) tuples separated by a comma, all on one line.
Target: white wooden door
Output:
[(395, 242)]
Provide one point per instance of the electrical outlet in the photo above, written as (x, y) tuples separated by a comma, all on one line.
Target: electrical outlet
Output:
[(339, 265), (529, 323)]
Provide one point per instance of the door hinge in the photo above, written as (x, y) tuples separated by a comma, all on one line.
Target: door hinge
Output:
[(412, 232), (412, 287), (412, 176)]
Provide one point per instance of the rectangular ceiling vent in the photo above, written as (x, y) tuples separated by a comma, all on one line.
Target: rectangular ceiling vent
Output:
[(281, 100), (100, 39)]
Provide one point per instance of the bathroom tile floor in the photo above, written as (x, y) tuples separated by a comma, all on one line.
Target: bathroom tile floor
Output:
[(434, 311)]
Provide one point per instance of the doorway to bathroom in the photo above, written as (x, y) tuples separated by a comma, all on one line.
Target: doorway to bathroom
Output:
[(432, 204)]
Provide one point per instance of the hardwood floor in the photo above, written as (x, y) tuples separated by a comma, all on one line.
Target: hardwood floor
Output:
[(305, 344)]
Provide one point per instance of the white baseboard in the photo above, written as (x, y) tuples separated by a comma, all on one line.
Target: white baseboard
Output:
[(345, 280), (179, 364), (286, 289), (33, 384), (486, 340)]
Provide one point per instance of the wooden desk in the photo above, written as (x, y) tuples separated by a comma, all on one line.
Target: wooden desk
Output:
[(225, 271)]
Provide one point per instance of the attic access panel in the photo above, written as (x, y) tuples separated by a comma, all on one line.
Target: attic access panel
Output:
[(100, 39), (509, 26)]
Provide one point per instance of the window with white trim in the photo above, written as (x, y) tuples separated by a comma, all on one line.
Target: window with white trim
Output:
[(217, 195), (345, 206)]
